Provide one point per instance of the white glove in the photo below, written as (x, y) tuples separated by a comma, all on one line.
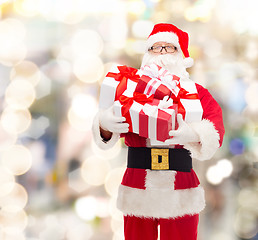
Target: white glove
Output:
[(166, 102), (184, 134), (109, 122)]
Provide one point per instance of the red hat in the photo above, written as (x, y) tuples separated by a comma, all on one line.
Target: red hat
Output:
[(165, 32)]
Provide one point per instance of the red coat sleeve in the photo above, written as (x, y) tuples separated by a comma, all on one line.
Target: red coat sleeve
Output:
[(211, 110)]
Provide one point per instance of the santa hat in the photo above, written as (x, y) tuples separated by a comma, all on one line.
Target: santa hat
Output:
[(165, 32)]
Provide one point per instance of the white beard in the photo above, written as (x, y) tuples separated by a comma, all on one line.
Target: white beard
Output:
[(173, 63)]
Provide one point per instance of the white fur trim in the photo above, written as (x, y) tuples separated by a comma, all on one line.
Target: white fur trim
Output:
[(188, 62), (209, 140), (97, 137), (160, 203), (160, 179), (168, 37)]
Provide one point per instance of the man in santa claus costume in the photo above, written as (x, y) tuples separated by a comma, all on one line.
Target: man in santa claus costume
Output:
[(171, 197)]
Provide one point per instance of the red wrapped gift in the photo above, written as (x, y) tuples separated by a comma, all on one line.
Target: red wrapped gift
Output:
[(158, 81), (115, 83), (155, 122), (130, 107), (188, 102)]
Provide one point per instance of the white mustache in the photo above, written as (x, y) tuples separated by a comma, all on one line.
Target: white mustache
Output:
[(173, 63)]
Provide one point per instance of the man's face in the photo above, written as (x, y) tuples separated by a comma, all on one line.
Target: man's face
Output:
[(160, 48), (166, 55)]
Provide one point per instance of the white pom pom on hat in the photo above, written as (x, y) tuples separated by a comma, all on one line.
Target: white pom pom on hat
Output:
[(166, 32)]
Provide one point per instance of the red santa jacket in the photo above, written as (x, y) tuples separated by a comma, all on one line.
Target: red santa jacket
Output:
[(166, 193)]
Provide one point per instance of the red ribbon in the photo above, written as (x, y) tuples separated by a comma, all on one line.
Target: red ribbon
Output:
[(124, 74), (127, 102), (183, 94)]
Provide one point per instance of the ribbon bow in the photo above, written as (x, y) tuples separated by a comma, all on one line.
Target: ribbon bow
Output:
[(183, 94), (127, 102), (154, 71), (163, 104), (124, 74)]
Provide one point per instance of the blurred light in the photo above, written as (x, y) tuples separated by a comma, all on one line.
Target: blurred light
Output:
[(106, 154), (58, 70), (12, 55), (76, 182), (16, 200), (15, 121), (213, 48), (26, 71), (142, 28), (102, 210), (248, 198), (135, 47), (117, 227), (27, 8), (94, 170), (6, 139), (251, 97), (20, 94), (13, 235), (86, 207), (213, 175), (113, 180), (13, 222), (74, 90), (82, 112), (86, 42), (223, 169), (245, 224), (7, 182), (242, 17), (113, 210), (114, 31), (43, 88), (38, 127), (53, 229), (236, 96), (79, 232), (136, 7), (5, 1), (220, 236), (88, 68), (252, 50), (99, 6), (79, 123), (236, 146), (69, 12), (12, 32), (201, 10), (17, 159), (84, 105), (12, 50)]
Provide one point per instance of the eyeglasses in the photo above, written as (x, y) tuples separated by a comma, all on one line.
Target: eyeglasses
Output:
[(168, 49)]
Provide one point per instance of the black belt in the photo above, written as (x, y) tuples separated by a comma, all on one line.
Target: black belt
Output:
[(159, 159)]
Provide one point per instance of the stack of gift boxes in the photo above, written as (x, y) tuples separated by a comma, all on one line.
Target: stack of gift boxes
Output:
[(150, 99)]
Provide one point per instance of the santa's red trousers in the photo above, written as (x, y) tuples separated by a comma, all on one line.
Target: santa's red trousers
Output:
[(182, 228)]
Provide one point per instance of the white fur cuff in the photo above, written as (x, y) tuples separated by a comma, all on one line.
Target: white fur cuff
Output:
[(209, 140), (160, 203), (99, 140)]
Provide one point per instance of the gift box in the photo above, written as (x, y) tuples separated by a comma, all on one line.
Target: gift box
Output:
[(188, 102), (155, 122), (117, 81), (130, 108), (157, 81)]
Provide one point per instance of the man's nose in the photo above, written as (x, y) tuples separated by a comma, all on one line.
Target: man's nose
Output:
[(163, 51)]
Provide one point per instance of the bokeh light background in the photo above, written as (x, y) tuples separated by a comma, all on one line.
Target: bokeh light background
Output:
[(55, 183)]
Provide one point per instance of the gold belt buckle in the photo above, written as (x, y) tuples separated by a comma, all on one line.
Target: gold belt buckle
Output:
[(159, 159)]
